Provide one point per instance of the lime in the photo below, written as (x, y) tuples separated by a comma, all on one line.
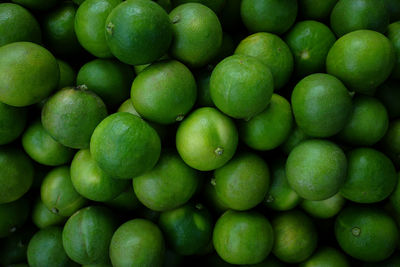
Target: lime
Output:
[(243, 237), (92, 182), (394, 198), (295, 137), (272, 51), (309, 42), (126, 201), (324, 209), (138, 32), (316, 9), (327, 257), (28, 73), (230, 82), (13, 215), (393, 261), (58, 193), (125, 146), (393, 8), (371, 176), (316, 169), (89, 24), (295, 236), (389, 94), (366, 233), (170, 184), (13, 248), (391, 141), (164, 92), (206, 139), (394, 36), (12, 122), (137, 243), (42, 217), (67, 74), (212, 199), (330, 102), (215, 5), (197, 34), (203, 89), (16, 174), (362, 59)]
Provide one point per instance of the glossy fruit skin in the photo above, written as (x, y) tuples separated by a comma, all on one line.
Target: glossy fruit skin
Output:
[(352, 15), (331, 104), (89, 24), (216, 139), (42, 217), (13, 215), (316, 169), (12, 123), (295, 236), (274, 16), (389, 94), (187, 229), (170, 184), (371, 176), (229, 85), (67, 74), (197, 34), (138, 32), (58, 194), (324, 209), (164, 92), (62, 116), (362, 60), (137, 243), (87, 235), (327, 257), (271, 50), (28, 73), (393, 34), (16, 174), (90, 181), (125, 146), (243, 182), (250, 237), (315, 9), (366, 233), (17, 25), (309, 42)]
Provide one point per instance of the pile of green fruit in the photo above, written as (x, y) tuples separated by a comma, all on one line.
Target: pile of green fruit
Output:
[(203, 133)]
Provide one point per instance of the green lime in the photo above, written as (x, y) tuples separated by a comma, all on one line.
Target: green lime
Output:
[(393, 7), (138, 32), (309, 42), (391, 141), (394, 36), (330, 102), (187, 229), (197, 34), (389, 94), (42, 217), (17, 24), (324, 209), (12, 122), (89, 24), (242, 182), (42, 148), (295, 236), (366, 233), (327, 257), (280, 195), (206, 139), (164, 92), (16, 174), (13, 248), (352, 15), (13, 215), (362, 60), (71, 115), (316, 169), (125, 201), (367, 123), (272, 51), (170, 184), (67, 74), (270, 128), (371, 176), (295, 137), (58, 194), (215, 5), (230, 82), (137, 243), (274, 16), (125, 146), (87, 235), (203, 89), (394, 198), (212, 199), (92, 182), (243, 237), (109, 79), (28, 73), (392, 261), (316, 9)]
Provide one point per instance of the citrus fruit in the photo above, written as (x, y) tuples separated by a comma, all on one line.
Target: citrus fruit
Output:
[(13, 215), (42, 217), (164, 92), (67, 74), (394, 36), (295, 137), (13, 248), (250, 237), (391, 141), (324, 209), (125, 201), (206, 139), (316, 9), (28, 73), (197, 34), (389, 94), (203, 89), (272, 51), (138, 32), (37, 4), (137, 243), (212, 199), (230, 82), (392, 261), (12, 122), (327, 257), (215, 5), (316, 169), (330, 102), (394, 198)]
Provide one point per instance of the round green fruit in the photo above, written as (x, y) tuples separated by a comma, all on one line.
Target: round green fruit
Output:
[(327, 257), (13, 215), (324, 209), (316, 9), (42, 217), (67, 74), (394, 36), (12, 122)]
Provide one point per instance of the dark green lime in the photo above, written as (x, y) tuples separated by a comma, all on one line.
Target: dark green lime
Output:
[(13, 215), (324, 209), (316, 9), (12, 122), (42, 217), (67, 74)]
